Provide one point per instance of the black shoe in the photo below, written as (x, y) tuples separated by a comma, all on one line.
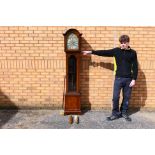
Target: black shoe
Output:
[(112, 117), (127, 118)]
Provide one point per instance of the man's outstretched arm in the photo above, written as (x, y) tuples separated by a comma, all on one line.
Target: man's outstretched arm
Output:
[(108, 53)]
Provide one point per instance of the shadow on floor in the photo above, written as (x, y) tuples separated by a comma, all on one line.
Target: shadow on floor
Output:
[(7, 109)]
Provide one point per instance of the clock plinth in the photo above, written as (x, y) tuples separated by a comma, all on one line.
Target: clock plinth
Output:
[(72, 104), (72, 40)]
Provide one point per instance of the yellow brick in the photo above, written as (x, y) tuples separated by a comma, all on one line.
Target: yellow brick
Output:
[(33, 64)]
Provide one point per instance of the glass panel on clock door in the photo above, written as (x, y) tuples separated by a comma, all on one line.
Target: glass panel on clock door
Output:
[(72, 73)]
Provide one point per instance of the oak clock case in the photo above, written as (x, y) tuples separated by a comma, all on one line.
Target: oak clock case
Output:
[(72, 40)]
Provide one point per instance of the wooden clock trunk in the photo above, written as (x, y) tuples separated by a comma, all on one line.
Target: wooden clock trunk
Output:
[(72, 39)]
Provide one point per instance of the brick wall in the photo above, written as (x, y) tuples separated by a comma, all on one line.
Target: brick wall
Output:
[(32, 66)]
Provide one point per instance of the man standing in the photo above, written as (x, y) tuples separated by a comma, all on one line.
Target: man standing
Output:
[(125, 75)]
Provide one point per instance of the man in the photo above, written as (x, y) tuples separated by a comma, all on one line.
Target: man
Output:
[(126, 71)]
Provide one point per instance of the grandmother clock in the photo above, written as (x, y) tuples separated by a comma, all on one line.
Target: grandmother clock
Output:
[(72, 41)]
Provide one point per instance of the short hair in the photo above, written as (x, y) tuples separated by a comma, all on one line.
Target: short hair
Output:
[(124, 39)]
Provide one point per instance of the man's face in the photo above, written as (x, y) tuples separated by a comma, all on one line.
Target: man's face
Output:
[(124, 45)]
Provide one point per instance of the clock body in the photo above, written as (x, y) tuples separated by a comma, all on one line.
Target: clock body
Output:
[(72, 48)]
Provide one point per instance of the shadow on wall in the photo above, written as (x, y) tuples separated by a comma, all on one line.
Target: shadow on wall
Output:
[(7, 109), (106, 65), (84, 77), (139, 92), (86, 61)]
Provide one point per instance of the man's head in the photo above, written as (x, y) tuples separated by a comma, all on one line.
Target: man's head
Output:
[(124, 41)]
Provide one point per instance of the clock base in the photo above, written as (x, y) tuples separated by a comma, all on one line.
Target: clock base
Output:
[(72, 104)]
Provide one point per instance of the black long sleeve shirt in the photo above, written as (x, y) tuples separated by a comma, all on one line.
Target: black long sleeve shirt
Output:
[(126, 61)]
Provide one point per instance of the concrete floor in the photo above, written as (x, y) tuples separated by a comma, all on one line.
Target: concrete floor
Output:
[(51, 119)]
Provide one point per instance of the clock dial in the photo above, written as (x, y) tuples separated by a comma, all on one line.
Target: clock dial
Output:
[(72, 42)]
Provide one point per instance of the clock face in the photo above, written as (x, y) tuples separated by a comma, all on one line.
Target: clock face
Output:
[(72, 42)]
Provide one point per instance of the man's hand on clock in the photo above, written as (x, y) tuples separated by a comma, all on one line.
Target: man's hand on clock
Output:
[(86, 52)]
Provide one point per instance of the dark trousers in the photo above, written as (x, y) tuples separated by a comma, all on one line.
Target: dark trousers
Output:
[(121, 83)]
